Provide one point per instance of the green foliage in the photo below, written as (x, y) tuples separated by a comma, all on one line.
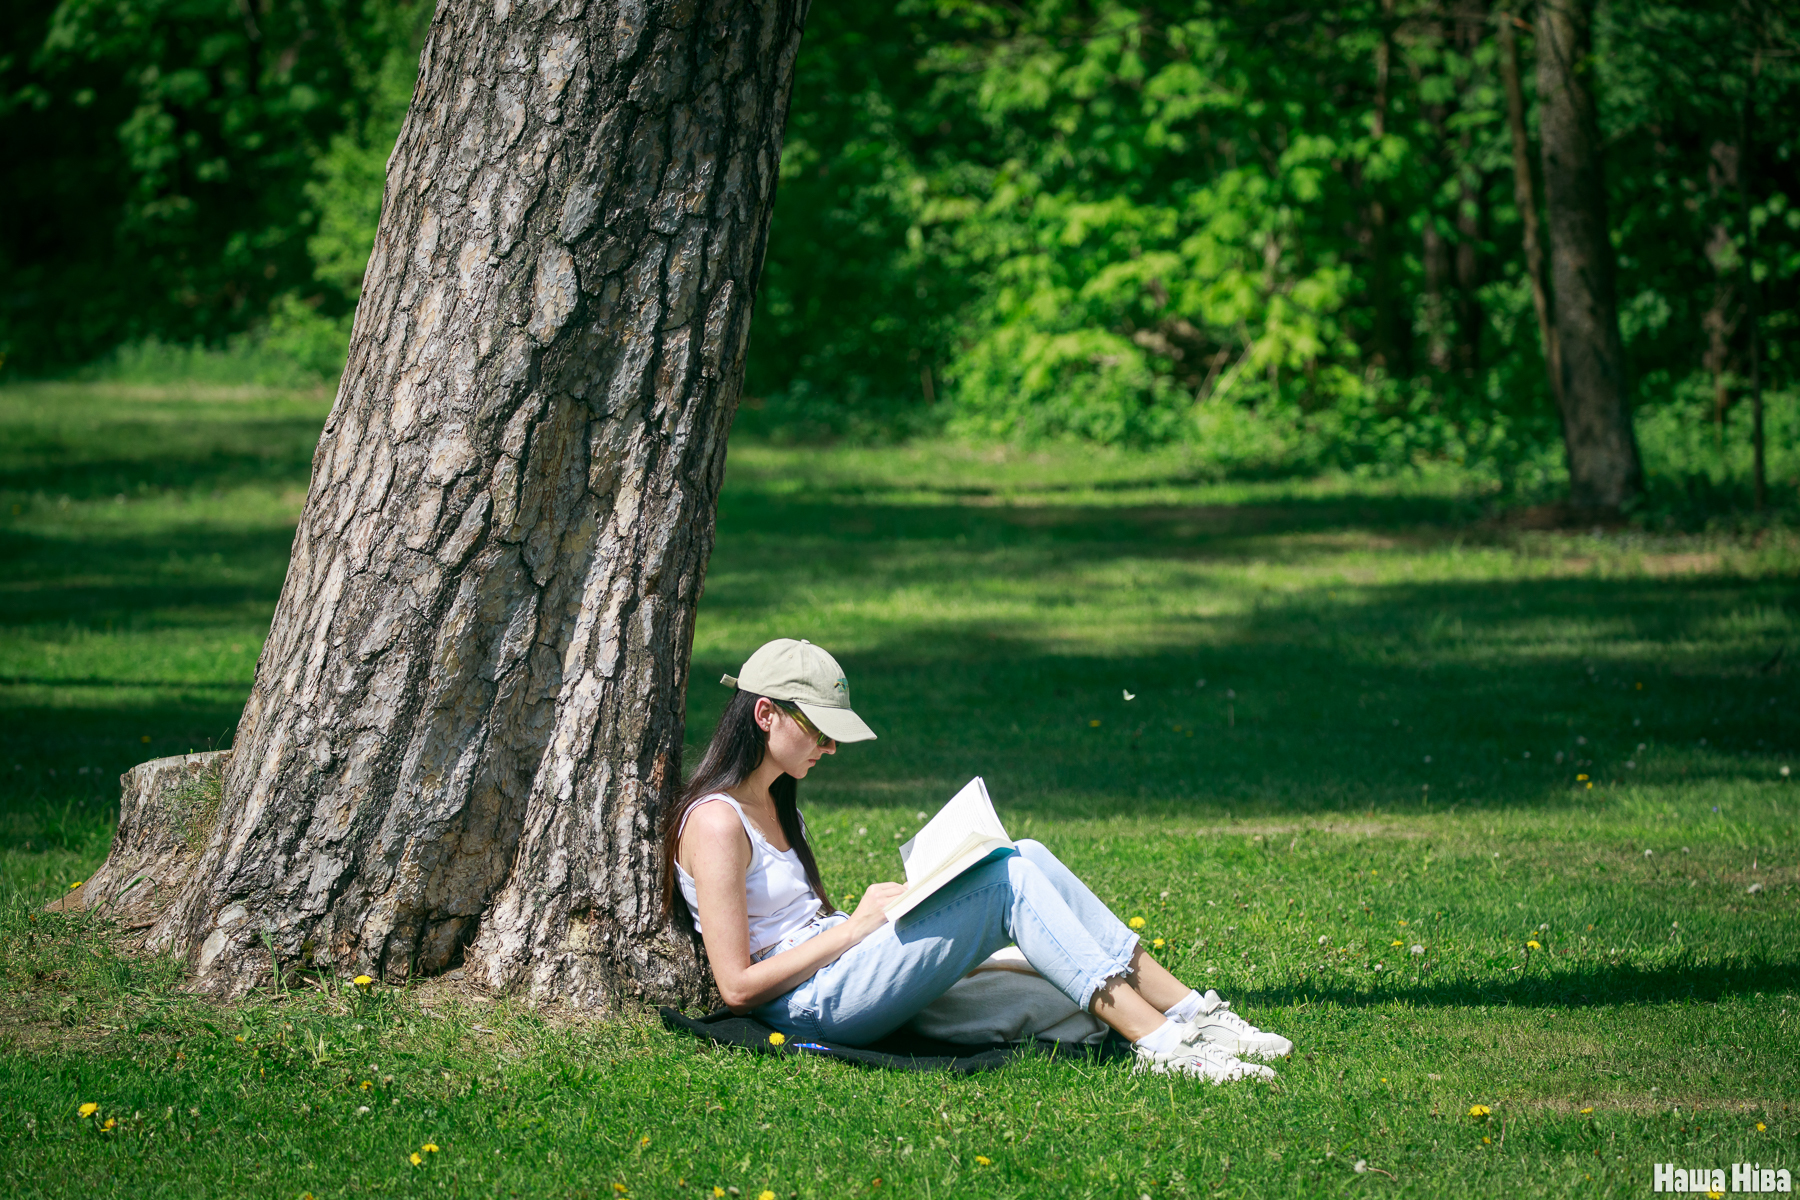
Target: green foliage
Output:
[(991, 605), (167, 145), (1281, 235)]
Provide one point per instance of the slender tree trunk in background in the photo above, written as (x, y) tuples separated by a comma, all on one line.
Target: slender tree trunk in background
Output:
[(1604, 469), (1471, 17), (1435, 249), (1389, 354), (1752, 309), (469, 708), (1525, 197), (1722, 315)]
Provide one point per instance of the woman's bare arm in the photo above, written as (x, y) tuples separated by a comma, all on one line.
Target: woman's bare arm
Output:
[(715, 850)]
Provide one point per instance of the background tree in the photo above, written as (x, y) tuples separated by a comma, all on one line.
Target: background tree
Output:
[(469, 707), (1604, 471)]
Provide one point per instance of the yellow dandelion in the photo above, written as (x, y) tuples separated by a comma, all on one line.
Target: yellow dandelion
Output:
[(1396, 943), (1487, 1141), (644, 1141), (982, 1160), (76, 884), (776, 1039), (1479, 1110), (1590, 787), (1581, 779), (1760, 1127), (109, 1123), (1093, 724), (362, 981), (1157, 943), (88, 1109), (366, 1085), (1403, 922), (429, 1148), (1715, 1194), (416, 1160), (766, 1195), (1533, 945), (717, 1192), (1137, 922), (619, 1188), (1586, 1111), (238, 1038)]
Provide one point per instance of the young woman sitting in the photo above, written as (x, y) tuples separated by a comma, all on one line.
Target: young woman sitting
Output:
[(736, 848)]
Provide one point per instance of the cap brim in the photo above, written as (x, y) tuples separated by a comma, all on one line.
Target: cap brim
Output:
[(838, 724)]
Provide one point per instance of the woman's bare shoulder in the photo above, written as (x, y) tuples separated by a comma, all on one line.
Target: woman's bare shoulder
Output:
[(713, 819)]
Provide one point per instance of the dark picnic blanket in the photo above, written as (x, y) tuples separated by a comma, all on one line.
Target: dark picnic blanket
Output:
[(902, 1050)]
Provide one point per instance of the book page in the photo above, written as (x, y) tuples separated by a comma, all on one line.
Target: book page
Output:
[(965, 833), (969, 811)]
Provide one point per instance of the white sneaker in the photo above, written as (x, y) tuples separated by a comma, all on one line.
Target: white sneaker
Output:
[(1216, 1025), (1198, 1061)]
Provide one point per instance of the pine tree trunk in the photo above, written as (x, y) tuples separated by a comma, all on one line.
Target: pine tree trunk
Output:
[(1604, 470), (469, 708)]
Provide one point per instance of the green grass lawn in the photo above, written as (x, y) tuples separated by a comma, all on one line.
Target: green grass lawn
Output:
[(1364, 717)]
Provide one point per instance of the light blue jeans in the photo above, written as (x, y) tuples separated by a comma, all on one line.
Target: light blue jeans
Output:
[(883, 981)]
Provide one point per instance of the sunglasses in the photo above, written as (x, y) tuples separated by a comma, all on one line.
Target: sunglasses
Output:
[(800, 719)]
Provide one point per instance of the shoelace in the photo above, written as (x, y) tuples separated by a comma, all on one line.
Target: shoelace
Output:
[(1242, 1028), (1209, 1055), (1224, 1016)]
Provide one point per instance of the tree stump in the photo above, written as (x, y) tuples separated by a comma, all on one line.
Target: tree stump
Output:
[(167, 810)]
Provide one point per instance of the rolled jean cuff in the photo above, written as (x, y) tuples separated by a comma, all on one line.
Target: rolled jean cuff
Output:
[(1118, 966)]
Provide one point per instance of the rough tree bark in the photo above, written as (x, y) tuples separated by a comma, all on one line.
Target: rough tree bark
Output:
[(469, 707), (1604, 468)]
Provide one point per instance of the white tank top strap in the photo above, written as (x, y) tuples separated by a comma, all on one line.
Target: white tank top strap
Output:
[(779, 898)]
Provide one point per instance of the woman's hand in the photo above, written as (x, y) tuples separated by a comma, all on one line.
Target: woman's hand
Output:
[(871, 910)]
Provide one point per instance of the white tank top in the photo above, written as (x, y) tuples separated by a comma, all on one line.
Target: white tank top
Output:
[(778, 898)]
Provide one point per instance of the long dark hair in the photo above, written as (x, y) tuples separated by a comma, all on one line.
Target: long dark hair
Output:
[(736, 749)]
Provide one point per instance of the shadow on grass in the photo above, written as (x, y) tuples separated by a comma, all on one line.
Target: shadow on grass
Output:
[(1419, 698), (1402, 696), (1595, 987), (208, 573)]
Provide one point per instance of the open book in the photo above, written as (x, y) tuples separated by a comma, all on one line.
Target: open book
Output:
[(965, 833)]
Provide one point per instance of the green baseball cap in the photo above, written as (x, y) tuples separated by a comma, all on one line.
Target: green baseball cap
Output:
[(803, 675)]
